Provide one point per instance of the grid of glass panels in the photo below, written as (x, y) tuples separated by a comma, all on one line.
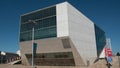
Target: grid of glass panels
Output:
[(100, 39), (45, 26), (39, 14)]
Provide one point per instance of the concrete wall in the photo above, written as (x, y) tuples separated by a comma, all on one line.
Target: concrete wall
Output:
[(63, 29), (62, 20), (49, 45), (82, 34)]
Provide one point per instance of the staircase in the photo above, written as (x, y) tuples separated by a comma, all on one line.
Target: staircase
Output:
[(99, 64)]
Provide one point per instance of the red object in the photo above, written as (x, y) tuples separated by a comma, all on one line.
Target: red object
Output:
[(108, 52)]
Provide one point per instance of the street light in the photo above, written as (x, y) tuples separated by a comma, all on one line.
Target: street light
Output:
[(33, 22)]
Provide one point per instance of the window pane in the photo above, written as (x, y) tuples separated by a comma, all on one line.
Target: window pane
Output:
[(45, 26), (39, 14), (25, 36), (100, 39)]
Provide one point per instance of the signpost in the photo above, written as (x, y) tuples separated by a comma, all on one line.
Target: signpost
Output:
[(34, 48)]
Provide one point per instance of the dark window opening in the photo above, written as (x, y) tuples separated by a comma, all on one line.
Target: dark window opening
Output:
[(53, 59), (66, 43)]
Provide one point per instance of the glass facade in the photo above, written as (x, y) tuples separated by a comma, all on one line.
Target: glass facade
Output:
[(45, 26), (53, 59), (100, 39)]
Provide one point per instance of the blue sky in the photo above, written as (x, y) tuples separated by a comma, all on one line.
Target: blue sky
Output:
[(104, 13)]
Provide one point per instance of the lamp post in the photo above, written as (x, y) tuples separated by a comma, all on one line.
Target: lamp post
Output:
[(32, 47), (33, 22)]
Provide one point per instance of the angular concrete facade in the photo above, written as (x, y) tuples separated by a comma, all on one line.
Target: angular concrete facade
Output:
[(72, 23), (75, 35)]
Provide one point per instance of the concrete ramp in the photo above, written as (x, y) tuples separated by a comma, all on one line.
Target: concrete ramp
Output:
[(14, 62)]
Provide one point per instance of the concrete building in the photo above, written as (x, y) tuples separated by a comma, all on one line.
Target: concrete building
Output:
[(65, 37), (6, 57)]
